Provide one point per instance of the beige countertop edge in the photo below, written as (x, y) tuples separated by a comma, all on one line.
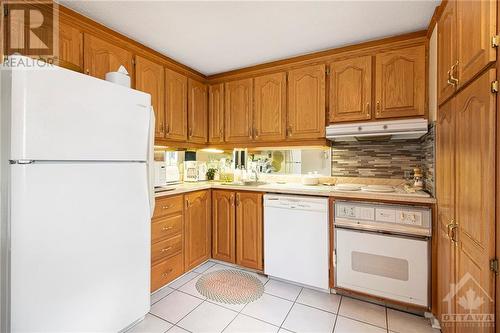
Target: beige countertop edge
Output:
[(394, 197)]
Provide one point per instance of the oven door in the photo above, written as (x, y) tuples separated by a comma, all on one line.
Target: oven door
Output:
[(388, 266)]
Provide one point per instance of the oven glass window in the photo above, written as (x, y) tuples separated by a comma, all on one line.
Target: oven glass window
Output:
[(389, 267)]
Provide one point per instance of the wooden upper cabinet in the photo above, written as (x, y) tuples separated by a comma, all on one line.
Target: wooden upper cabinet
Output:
[(270, 107), (238, 111), (400, 83), (197, 111), (70, 47), (476, 25), (223, 226), (447, 58), (306, 103), (150, 78), (249, 230), (197, 228), (216, 113), (176, 92), (350, 89), (101, 57)]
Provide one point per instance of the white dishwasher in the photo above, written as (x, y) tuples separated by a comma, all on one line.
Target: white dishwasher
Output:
[(296, 239)]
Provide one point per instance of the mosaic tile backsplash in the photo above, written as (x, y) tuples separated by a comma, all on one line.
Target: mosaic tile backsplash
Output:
[(386, 159)]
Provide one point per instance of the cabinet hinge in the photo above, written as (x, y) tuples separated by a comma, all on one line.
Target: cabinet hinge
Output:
[(495, 41), (494, 86), (133, 61), (327, 72), (494, 265), (5, 10)]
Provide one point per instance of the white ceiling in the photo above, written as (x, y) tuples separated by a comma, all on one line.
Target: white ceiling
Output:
[(213, 37)]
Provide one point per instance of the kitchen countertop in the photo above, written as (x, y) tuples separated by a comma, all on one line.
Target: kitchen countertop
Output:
[(400, 196)]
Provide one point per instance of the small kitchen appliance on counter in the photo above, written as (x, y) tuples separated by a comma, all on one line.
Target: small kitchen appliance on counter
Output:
[(191, 173), (160, 174)]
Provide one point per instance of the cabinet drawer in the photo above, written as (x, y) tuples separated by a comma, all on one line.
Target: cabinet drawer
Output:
[(168, 206), (165, 227), (166, 248), (166, 271)]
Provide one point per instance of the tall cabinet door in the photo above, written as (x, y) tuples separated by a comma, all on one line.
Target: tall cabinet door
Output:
[(197, 228), (445, 191), (447, 57), (238, 110), (351, 89), (306, 103), (270, 107), (197, 115), (476, 25), (70, 47), (249, 234), (175, 106), (150, 78), (223, 226), (101, 57), (475, 194), (400, 83), (216, 113)]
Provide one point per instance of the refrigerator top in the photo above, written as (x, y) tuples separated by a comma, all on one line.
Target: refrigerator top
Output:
[(56, 114)]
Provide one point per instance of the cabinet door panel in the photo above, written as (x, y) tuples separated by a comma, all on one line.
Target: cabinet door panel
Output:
[(270, 107), (306, 103), (197, 230), (70, 47), (476, 25), (351, 89), (400, 83), (150, 78), (101, 57), (249, 237), (223, 226), (446, 50), (238, 110), (216, 113), (197, 116), (175, 106)]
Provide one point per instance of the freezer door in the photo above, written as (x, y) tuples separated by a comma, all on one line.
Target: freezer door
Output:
[(58, 114), (80, 246)]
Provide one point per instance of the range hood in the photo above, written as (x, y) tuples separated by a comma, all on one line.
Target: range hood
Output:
[(376, 130)]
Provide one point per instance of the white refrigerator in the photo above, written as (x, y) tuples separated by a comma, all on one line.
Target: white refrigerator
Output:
[(76, 200)]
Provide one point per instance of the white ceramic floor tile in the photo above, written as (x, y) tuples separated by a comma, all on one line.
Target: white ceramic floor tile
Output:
[(303, 318), (151, 324), (160, 294), (234, 307), (175, 306), (403, 322), (203, 267), (182, 280), (177, 329), (268, 308), (217, 267), (346, 325), (282, 289), (363, 311), (245, 324), (282, 330), (319, 299), (208, 317), (190, 288)]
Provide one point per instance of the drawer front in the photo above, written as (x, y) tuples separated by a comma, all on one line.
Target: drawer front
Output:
[(166, 227), (166, 248), (166, 271), (168, 206)]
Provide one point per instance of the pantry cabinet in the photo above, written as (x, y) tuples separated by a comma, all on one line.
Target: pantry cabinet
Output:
[(223, 226), (400, 83), (101, 57), (216, 113), (306, 103), (447, 58), (176, 94), (150, 78), (197, 111), (70, 47), (351, 90), (239, 111), (197, 228)]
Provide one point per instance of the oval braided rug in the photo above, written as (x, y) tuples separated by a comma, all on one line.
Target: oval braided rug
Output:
[(230, 286)]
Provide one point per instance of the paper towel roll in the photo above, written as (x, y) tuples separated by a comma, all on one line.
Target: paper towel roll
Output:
[(120, 77)]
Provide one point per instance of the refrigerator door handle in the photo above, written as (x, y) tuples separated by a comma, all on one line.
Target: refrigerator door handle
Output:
[(150, 162)]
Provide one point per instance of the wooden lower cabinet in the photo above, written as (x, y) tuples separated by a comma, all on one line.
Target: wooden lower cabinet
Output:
[(223, 226), (197, 228), (166, 271)]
